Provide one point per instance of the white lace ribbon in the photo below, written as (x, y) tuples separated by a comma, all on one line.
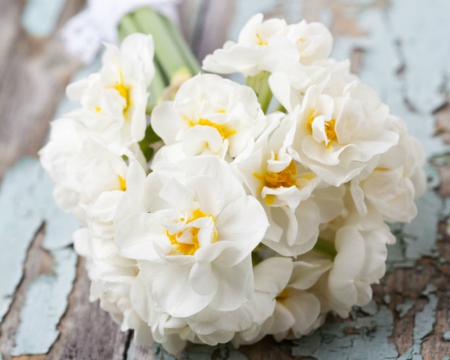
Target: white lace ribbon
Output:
[(83, 34)]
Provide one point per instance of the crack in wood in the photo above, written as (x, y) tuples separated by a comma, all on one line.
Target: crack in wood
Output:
[(11, 320)]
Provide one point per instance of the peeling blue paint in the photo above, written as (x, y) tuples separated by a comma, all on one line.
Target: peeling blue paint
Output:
[(45, 303), (20, 222), (407, 355), (201, 352), (25, 203), (423, 325), (446, 336), (404, 308), (371, 308), (331, 343), (41, 16)]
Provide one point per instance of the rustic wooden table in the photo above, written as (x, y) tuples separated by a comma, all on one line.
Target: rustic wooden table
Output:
[(400, 47)]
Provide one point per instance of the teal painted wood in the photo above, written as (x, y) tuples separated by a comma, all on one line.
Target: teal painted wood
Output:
[(20, 221), (424, 322), (423, 325), (45, 303), (26, 202), (40, 17), (199, 352), (47, 297), (330, 342)]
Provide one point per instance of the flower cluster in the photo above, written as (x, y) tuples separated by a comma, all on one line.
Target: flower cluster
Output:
[(246, 222)]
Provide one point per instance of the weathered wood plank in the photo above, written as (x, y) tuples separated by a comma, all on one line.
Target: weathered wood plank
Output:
[(26, 202), (33, 75), (41, 16), (20, 221), (87, 332)]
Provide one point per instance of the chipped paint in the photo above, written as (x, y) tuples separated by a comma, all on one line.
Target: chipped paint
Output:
[(404, 308), (45, 302), (446, 336), (423, 325), (201, 352), (26, 201), (370, 341), (41, 16), (371, 308), (20, 221)]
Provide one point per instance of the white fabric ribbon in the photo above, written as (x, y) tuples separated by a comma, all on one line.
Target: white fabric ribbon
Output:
[(84, 33)]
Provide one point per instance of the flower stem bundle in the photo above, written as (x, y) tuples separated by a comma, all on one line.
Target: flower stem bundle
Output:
[(238, 221)]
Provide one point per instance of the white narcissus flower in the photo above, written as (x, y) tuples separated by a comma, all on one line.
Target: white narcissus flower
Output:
[(257, 40), (211, 326), (360, 261), (165, 329), (67, 136), (396, 181), (114, 100), (295, 199), (194, 241), (101, 176), (112, 280), (289, 82), (269, 46), (313, 41), (210, 116), (169, 253), (337, 137), (297, 312)]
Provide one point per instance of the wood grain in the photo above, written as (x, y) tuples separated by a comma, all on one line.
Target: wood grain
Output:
[(87, 332), (38, 262), (34, 72)]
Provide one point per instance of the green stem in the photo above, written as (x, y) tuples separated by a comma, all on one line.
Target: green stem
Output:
[(183, 47), (260, 84), (127, 27), (166, 50), (325, 247)]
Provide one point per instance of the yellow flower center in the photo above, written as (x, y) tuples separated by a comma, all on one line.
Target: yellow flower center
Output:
[(285, 178), (261, 42), (122, 183), (329, 130), (223, 129), (329, 127), (190, 248), (123, 91), (283, 295)]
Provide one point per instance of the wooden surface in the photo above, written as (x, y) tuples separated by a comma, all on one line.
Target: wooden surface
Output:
[(401, 48)]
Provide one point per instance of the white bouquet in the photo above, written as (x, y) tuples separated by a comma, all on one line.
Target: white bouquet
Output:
[(246, 222)]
